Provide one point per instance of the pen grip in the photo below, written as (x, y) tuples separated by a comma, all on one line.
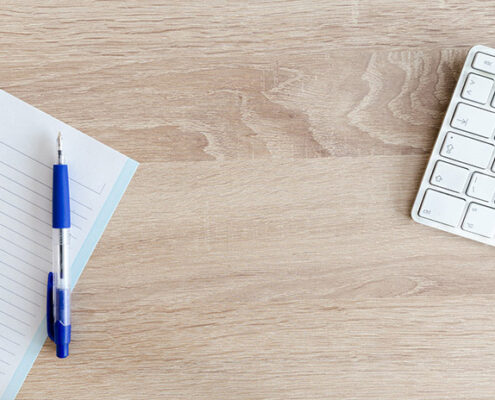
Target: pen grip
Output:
[(61, 197)]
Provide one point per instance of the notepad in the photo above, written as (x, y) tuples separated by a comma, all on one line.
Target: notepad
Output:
[(99, 176)]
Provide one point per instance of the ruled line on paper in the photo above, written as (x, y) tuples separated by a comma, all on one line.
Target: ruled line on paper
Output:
[(49, 261), (73, 225), (87, 187), (41, 194), (81, 204), (17, 307), (26, 175), (26, 187), (73, 212), (20, 271), (79, 215), (27, 238), (39, 219), (42, 295), (42, 183), (25, 212), (12, 329), (26, 225), (23, 198), (14, 318), (7, 351), (20, 296), (98, 192), (9, 340), (34, 216), (49, 211), (23, 261)]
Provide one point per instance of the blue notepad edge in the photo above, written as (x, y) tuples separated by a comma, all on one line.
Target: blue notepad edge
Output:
[(78, 265)]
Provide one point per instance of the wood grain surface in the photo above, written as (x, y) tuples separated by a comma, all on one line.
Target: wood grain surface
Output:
[(264, 249)]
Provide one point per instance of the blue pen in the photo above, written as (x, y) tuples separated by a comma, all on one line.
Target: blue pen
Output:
[(58, 288)]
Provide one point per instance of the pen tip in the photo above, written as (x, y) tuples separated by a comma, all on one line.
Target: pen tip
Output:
[(59, 141)]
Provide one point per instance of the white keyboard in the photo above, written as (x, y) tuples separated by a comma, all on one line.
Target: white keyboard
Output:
[(457, 193)]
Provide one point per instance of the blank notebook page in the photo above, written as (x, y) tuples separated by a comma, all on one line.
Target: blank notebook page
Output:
[(27, 154)]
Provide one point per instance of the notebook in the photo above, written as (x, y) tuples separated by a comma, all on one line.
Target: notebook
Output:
[(99, 176)]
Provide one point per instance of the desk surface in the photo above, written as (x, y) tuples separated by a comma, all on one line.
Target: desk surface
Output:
[(264, 249)]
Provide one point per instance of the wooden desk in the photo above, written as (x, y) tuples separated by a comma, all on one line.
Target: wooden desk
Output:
[(264, 249)]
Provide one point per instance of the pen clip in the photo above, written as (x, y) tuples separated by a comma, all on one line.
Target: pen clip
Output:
[(50, 322)]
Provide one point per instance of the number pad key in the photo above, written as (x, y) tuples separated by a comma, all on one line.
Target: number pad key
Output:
[(480, 220), (477, 88)]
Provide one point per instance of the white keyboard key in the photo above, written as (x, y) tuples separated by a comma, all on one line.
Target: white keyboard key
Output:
[(467, 150), (484, 62), (449, 176), (480, 220), (474, 120), (481, 187), (477, 88), (442, 208)]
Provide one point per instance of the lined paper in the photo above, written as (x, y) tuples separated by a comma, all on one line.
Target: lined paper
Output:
[(27, 153)]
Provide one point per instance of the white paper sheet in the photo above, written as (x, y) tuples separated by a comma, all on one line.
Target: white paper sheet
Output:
[(27, 153)]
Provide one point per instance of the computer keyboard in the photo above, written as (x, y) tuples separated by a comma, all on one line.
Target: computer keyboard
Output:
[(457, 193)]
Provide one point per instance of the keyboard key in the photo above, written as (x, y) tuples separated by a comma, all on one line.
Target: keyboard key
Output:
[(481, 187), (474, 120), (449, 176), (477, 88), (480, 220), (467, 150), (442, 208), (484, 62)]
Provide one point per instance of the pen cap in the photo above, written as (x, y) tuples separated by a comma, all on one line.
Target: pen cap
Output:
[(61, 203)]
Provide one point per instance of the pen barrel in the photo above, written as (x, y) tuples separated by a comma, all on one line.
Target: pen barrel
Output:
[(61, 291), (61, 236), (61, 261), (62, 306), (61, 275)]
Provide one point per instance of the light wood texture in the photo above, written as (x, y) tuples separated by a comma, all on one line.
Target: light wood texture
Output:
[(264, 249)]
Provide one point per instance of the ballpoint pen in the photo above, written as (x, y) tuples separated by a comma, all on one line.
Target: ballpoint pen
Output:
[(58, 288)]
